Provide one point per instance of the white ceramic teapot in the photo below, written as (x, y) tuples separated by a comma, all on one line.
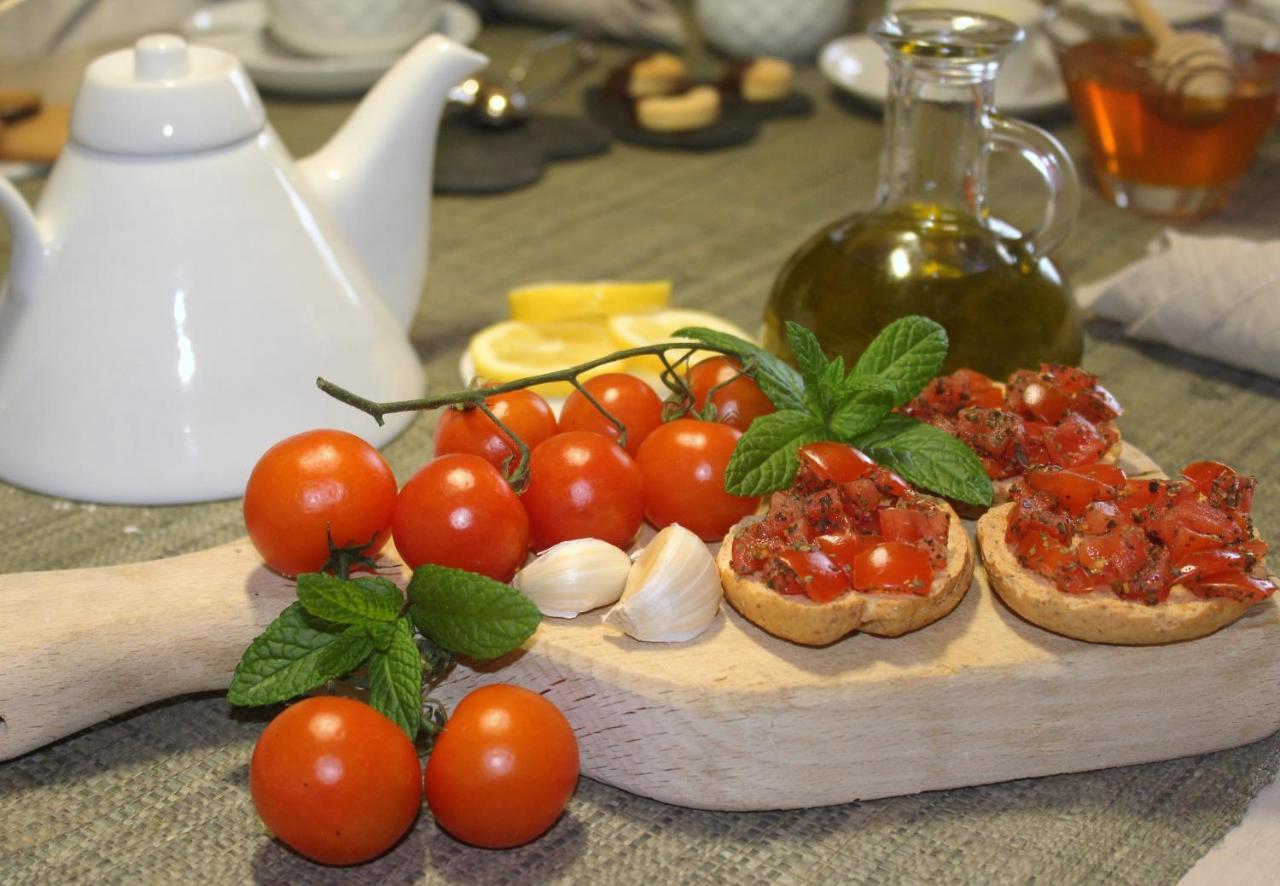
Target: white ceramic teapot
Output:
[(182, 281)]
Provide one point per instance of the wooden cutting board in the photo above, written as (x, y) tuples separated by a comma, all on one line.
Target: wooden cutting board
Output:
[(735, 719)]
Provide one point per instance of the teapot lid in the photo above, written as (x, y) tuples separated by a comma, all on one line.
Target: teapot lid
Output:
[(165, 97)]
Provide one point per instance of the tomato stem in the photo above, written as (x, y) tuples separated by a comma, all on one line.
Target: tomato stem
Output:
[(475, 396), (609, 416)]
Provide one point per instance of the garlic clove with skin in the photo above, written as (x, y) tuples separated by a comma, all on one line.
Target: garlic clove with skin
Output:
[(673, 592), (574, 576)]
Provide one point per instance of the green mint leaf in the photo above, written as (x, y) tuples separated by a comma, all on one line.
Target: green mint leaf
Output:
[(349, 601), (470, 614), (780, 382), (346, 653), (395, 678), (284, 661), (765, 458), (859, 409), (928, 457), (908, 352), (810, 360), (381, 633)]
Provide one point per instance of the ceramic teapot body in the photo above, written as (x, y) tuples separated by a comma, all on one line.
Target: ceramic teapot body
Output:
[(167, 313)]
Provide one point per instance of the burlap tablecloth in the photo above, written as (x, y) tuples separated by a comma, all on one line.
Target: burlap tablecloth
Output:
[(160, 795)]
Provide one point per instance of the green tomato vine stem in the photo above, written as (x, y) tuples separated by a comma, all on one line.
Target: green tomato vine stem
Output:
[(474, 397)]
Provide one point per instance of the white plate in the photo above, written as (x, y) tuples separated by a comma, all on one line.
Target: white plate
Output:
[(856, 64), (239, 27)]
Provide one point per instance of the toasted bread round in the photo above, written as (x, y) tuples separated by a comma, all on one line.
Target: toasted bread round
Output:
[(1100, 616), (796, 618)]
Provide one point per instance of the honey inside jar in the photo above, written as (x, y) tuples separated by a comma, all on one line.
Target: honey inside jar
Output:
[(1139, 132)]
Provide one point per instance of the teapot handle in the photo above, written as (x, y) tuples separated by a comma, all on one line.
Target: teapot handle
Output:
[(1050, 159)]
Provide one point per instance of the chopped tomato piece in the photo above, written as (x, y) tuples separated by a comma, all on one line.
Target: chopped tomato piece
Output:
[(1088, 398), (824, 511), (1104, 473), (1031, 395), (835, 462), (1114, 557), (819, 578), (1071, 491), (1074, 441), (1236, 586), (893, 564), (844, 548), (948, 394), (1100, 517), (1210, 562), (1203, 473)]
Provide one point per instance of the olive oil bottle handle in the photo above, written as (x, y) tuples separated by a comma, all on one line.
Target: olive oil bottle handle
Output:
[(1050, 159)]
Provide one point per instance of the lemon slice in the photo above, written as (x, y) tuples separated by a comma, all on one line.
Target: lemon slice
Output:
[(514, 349), (637, 330), (572, 301)]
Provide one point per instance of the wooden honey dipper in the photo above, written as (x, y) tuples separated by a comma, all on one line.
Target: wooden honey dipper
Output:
[(1187, 64)]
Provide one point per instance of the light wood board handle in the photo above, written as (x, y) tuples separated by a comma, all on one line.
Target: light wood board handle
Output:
[(78, 646)]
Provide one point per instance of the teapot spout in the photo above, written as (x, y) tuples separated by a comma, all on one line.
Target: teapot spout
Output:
[(374, 174), (28, 244)]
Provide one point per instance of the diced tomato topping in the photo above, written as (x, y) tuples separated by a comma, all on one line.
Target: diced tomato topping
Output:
[(1203, 473), (893, 564), (824, 511), (1100, 517), (948, 394), (1087, 397), (835, 462), (1235, 586), (818, 577), (1074, 441), (1139, 537), (1034, 397), (844, 548), (1113, 557), (1071, 491)]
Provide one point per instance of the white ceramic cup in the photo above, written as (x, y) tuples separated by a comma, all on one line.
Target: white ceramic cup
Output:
[(1022, 63), (329, 28)]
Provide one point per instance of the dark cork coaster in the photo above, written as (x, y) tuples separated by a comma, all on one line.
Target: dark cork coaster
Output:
[(738, 123), (471, 159)]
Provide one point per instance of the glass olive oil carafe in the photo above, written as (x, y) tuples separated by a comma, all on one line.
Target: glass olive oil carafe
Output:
[(928, 245)]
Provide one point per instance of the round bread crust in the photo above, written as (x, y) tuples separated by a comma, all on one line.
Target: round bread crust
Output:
[(796, 618), (1100, 616)]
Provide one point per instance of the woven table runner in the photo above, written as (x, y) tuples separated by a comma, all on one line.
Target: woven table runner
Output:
[(161, 795)]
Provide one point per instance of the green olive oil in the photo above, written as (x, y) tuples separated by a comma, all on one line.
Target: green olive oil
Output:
[(1002, 308)]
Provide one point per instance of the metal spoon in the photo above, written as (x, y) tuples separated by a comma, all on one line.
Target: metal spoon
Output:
[(500, 105)]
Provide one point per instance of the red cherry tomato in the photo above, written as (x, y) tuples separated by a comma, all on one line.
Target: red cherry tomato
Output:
[(683, 463), (628, 399), (471, 431), (836, 462), (737, 398), (893, 565), (312, 486), (583, 485), (503, 769), (459, 511), (335, 780)]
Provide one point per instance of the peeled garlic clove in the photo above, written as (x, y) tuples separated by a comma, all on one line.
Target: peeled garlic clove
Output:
[(574, 576), (673, 592)]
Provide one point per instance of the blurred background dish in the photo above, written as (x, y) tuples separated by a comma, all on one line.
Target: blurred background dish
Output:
[(792, 29), (240, 28), (856, 64)]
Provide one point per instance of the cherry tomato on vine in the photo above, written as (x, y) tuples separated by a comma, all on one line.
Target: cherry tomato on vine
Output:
[(314, 485), (628, 399), (503, 769), (335, 780), (459, 511), (583, 485), (471, 431), (738, 399), (683, 464)]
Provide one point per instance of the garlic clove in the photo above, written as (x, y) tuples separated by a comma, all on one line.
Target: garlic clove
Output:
[(673, 592), (574, 576)]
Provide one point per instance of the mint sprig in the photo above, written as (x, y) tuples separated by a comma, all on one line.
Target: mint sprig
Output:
[(821, 401), (363, 629)]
